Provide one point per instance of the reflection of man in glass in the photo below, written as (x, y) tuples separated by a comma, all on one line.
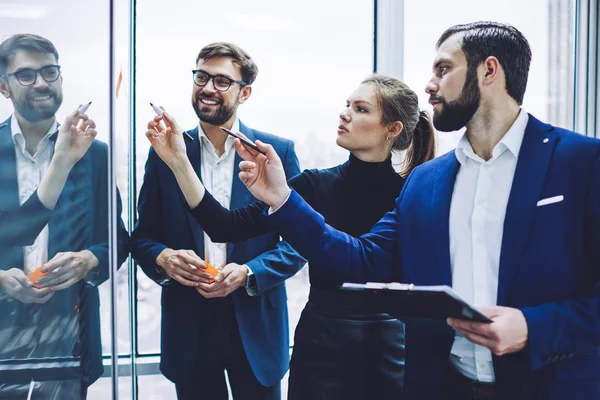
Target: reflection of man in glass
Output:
[(53, 213)]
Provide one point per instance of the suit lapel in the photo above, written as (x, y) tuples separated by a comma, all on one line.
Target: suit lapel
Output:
[(240, 196), (9, 195), (194, 155), (441, 198), (9, 183), (535, 155)]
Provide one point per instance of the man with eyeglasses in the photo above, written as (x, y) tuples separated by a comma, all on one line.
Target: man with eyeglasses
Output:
[(49, 330), (240, 323)]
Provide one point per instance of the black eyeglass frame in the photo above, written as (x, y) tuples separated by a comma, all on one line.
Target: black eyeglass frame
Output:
[(212, 77), (37, 72)]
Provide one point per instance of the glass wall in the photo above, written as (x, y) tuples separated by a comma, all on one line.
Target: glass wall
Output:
[(54, 185)]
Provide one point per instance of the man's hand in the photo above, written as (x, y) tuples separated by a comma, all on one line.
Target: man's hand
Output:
[(232, 277), (66, 269), (16, 284), (507, 334), (75, 136), (184, 266), (263, 174), (166, 137)]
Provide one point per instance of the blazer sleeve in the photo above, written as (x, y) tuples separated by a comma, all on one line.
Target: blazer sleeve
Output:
[(101, 248), (146, 239), (571, 325), (373, 256), (273, 267), (223, 225), (21, 226)]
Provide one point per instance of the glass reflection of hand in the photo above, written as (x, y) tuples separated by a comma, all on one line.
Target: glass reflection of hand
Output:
[(166, 137), (66, 269), (16, 284), (75, 137)]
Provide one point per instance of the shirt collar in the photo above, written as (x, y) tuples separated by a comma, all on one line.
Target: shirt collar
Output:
[(511, 141), (228, 142), (19, 139)]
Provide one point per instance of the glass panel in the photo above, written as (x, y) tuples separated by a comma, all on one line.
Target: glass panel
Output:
[(551, 72), (56, 339)]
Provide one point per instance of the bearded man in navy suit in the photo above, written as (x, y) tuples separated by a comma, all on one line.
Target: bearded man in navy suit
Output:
[(239, 324), (510, 220)]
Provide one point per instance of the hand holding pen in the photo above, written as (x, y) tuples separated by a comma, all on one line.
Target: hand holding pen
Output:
[(75, 136), (167, 138)]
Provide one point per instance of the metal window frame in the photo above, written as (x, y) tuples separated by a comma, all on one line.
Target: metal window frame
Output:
[(586, 116), (388, 41)]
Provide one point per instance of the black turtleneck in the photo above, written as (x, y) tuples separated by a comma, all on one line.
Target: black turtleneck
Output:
[(352, 197)]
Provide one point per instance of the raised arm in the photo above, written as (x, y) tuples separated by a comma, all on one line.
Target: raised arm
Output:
[(373, 256), (223, 225), (20, 226)]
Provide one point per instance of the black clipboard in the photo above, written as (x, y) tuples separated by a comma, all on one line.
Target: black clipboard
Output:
[(407, 300)]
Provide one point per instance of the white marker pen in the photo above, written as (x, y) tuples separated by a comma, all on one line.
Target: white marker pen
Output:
[(84, 108), (160, 112), (156, 109)]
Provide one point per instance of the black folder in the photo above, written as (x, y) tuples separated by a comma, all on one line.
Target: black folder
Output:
[(407, 300)]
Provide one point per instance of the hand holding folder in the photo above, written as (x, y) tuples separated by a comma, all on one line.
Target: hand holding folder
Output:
[(408, 300)]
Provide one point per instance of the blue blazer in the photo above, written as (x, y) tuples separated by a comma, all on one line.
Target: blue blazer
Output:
[(78, 222), (549, 264), (263, 319)]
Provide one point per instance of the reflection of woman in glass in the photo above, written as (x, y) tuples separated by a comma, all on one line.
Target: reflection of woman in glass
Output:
[(344, 347)]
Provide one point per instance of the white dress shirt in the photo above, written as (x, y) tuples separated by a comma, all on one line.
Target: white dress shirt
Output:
[(30, 170), (217, 177), (477, 214)]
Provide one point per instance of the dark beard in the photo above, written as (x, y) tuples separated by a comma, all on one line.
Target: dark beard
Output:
[(220, 116), (456, 114), (33, 114)]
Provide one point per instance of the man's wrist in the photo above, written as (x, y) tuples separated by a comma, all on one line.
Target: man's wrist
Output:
[(90, 259), (162, 256), (250, 283), (281, 198), (285, 199)]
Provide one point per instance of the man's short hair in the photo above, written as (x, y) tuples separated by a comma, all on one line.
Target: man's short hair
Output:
[(240, 57), (24, 41), (487, 38)]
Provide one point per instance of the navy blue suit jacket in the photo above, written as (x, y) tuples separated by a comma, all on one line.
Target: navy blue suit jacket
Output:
[(79, 221), (164, 222), (549, 264)]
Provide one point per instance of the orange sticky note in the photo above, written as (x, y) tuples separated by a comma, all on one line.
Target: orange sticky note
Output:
[(119, 82), (211, 270), (35, 275)]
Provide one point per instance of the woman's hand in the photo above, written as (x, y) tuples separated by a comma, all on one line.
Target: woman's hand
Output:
[(166, 137)]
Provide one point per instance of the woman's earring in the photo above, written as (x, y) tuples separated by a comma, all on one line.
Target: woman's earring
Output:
[(387, 138)]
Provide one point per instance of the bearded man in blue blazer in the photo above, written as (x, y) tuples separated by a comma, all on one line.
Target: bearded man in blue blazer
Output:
[(510, 220), (239, 324)]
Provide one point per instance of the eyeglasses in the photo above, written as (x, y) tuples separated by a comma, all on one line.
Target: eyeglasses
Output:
[(28, 76), (220, 82)]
